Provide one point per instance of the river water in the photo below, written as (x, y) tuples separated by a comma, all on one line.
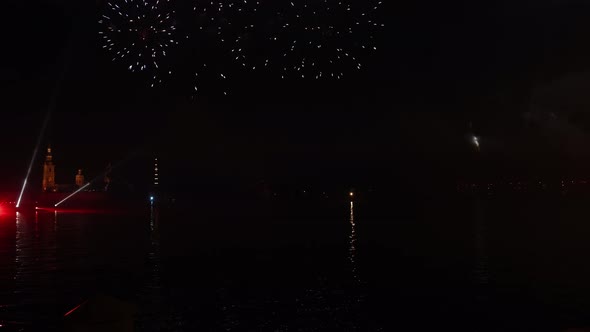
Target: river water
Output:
[(468, 264)]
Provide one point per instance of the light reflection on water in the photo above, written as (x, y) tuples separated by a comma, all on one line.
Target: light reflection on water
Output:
[(353, 240), (50, 262), (150, 295), (35, 263)]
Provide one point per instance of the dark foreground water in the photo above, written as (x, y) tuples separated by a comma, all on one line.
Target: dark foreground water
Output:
[(453, 264)]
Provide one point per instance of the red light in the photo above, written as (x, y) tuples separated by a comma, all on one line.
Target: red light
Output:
[(75, 308)]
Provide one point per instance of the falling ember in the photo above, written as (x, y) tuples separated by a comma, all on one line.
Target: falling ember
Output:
[(325, 38), (220, 32)]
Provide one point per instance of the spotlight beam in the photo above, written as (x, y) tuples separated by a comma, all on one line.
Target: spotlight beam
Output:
[(72, 194), (35, 151), (51, 106)]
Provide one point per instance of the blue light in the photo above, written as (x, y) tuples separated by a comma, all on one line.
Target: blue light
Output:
[(151, 198)]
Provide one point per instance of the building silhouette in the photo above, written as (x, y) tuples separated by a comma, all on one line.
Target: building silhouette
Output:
[(79, 179)]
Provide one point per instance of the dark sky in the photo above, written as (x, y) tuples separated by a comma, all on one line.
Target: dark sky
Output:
[(517, 70)]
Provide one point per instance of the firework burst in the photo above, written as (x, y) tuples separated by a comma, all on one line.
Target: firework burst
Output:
[(139, 34), (222, 40), (323, 38)]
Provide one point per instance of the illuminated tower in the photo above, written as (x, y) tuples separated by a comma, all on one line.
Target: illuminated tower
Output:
[(49, 172), (79, 179), (156, 179), (156, 182)]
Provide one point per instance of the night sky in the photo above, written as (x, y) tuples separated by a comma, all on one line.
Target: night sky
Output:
[(518, 71)]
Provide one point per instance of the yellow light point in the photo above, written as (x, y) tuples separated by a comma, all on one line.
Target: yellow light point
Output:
[(351, 194)]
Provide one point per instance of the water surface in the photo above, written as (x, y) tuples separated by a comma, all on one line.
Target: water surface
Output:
[(466, 264)]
